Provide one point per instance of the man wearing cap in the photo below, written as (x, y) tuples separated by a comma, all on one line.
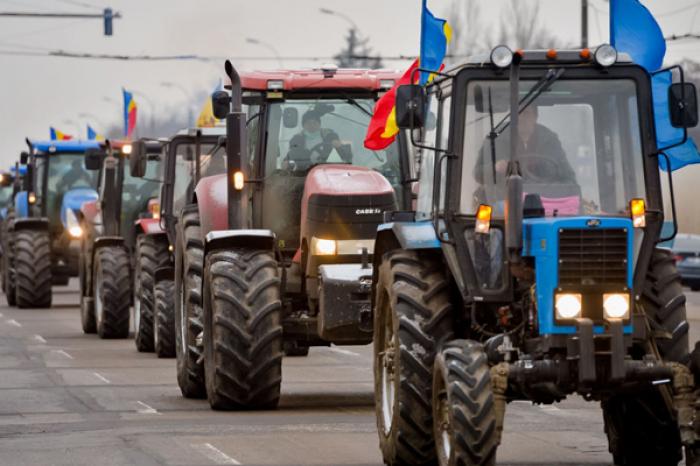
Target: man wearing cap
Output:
[(314, 144)]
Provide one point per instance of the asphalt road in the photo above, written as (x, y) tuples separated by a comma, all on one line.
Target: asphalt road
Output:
[(71, 399)]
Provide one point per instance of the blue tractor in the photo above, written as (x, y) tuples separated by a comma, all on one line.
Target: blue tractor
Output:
[(10, 183), (46, 231), (530, 268)]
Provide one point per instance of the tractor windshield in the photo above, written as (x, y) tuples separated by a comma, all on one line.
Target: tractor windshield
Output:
[(5, 195), (185, 161), (136, 192), (579, 146), (304, 133), (66, 171)]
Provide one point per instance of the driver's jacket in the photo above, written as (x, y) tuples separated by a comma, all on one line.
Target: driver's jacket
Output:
[(543, 143)]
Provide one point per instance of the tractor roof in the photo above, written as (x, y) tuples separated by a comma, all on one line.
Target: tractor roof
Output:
[(327, 77), (53, 147), (209, 131)]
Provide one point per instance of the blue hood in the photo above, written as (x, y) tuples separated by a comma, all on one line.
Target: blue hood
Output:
[(74, 199)]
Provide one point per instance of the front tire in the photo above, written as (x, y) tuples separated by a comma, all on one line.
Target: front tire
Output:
[(640, 428), (112, 289), (413, 319), (151, 253), (189, 262), (32, 268), (164, 319), (8, 262), (242, 330), (464, 416)]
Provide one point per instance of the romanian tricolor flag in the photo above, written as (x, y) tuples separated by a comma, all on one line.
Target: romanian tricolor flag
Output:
[(93, 135), (435, 34), (130, 112), (382, 129), (57, 135)]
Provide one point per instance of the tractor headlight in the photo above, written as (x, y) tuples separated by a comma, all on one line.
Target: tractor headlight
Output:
[(31, 198), (616, 305), (568, 305), (605, 55), (74, 229), (502, 56), (323, 247)]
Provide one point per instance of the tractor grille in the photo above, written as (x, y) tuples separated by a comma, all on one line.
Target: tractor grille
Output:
[(593, 256)]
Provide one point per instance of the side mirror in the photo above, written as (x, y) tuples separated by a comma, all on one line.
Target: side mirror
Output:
[(221, 141), (24, 158), (221, 104), (290, 117), (683, 102), (93, 159), (138, 159), (410, 106)]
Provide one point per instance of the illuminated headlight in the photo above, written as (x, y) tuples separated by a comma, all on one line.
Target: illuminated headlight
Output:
[(126, 149), (502, 56), (74, 228), (31, 198), (567, 305), (275, 85), (605, 55), (323, 247), (616, 305)]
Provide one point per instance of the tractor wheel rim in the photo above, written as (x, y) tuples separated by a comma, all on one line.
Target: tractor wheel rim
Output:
[(98, 301), (388, 373), (444, 435)]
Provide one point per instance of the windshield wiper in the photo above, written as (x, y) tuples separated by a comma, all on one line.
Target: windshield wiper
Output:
[(355, 103), (542, 86)]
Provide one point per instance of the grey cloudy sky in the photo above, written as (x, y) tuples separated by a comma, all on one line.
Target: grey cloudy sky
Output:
[(38, 91)]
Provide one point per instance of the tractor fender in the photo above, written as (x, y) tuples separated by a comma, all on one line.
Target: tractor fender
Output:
[(212, 201), (164, 273), (103, 241), (31, 224), (74, 199), (149, 226), (22, 204), (229, 239)]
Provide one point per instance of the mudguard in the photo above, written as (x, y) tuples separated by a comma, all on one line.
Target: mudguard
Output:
[(104, 241), (164, 273), (228, 239), (27, 223), (149, 226), (212, 199), (21, 204), (74, 200), (405, 235)]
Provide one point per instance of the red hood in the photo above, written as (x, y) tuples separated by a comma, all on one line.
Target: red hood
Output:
[(345, 180)]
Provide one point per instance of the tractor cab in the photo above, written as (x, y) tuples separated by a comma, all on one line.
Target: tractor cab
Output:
[(539, 213)]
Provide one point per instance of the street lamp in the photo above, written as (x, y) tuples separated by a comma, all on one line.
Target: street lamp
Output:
[(252, 40), (188, 98), (328, 11)]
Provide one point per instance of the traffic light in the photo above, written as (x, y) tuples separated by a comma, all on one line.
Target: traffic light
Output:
[(108, 16)]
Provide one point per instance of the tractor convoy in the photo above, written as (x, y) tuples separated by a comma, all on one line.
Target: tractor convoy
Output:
[(504, 247)]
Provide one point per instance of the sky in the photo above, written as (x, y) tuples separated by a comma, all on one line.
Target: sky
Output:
[(37, 92)]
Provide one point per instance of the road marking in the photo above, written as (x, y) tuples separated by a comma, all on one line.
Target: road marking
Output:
[(14, 322), (62, 353), (345, 352), (214, 454), (39, 338), (147, 409), (101, 377)]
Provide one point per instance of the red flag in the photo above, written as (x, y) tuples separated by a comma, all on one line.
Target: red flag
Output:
[(382, 129)]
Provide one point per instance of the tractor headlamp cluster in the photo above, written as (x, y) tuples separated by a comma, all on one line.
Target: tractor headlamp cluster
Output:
[(569, 306), (332, 247), (605, 55), (501, 56), (75, 231), (616, 305), (126, 149)]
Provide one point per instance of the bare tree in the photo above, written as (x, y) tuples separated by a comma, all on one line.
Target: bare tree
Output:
[(468, 34)]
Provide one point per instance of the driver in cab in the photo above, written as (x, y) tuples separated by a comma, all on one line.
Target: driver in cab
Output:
[(314, 143), (541, 155)]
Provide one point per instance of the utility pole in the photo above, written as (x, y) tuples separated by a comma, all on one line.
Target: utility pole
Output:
[(584, 24), (107, 16)]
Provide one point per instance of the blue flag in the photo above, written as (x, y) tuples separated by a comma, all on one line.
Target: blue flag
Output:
[(435, 34), (634, 30), (91, 134)]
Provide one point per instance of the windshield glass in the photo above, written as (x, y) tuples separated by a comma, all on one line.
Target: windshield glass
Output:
[(5, 194), (184, 171), (137, 192), (305, 133), (579, 147), (66, 172)]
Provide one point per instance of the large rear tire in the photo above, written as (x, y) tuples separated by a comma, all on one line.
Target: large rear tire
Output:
[(242, 330), (151, 253), (32, 268), (464, 415), (8, 262), (189, 262), (640, 427), (112, 288), (87, 314), (164, 319), (413, 319)]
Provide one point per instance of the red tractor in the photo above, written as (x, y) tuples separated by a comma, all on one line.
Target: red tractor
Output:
[(285, 238)]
